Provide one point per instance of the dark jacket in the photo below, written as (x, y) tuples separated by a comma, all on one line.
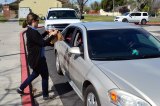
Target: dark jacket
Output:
[(35, 42)]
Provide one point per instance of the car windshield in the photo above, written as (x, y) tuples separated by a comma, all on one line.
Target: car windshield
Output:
[(62, 14), (125, 14), (122, 44)]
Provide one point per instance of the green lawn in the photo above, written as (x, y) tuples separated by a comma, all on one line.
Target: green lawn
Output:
[(2, 19), (111, 18), (153, 19), (98, 18)]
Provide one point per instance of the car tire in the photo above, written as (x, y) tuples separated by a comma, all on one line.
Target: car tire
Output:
[(143, 22), (136, 23), (124, 20), (91, 97), (57, 62)]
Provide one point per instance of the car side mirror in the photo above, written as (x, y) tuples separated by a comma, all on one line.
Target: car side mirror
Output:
[(130, 16), (75, 50), (82, 17), (43, 18)]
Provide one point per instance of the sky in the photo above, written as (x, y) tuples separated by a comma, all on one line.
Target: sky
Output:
[(90, 1), (7, 1)]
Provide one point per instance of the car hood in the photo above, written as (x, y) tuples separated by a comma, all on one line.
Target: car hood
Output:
[(62, 21), (142, 76), (121, 16)]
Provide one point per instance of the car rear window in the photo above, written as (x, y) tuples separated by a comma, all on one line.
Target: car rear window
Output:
[(145, 14)]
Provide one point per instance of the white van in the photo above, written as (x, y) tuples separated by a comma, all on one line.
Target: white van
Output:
[(134, 17), (59, 18)]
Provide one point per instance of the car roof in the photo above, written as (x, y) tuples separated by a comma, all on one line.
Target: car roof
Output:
[(138, 12), (51, 9), (106, 25)]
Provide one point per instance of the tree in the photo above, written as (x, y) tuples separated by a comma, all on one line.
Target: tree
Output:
[(95, 6), (81, 4), (155, 8), (142, 4), (68, 4), (107, 5), (123, 10), (87, 9)]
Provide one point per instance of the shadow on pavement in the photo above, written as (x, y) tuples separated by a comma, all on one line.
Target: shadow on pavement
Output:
[(62, 88)]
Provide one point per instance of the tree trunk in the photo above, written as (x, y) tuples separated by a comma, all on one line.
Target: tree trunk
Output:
[(81, 11)]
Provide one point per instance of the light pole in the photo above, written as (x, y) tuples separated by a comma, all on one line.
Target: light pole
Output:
[(113, 7)]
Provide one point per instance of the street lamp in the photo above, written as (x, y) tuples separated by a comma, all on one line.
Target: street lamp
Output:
[(113, 7)]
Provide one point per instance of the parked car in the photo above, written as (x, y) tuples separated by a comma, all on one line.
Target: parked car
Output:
[(110, 63), (134, 17), (59, 18)]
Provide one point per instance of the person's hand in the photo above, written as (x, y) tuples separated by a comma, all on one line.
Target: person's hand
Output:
[(49, 31), (53, 32)]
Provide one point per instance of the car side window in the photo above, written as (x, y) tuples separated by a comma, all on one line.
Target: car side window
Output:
[(132, 14), (78, 40), (145, 14), (68, 35), (137, 14)]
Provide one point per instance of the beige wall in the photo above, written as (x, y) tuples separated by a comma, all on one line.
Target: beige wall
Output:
[(40, 7)]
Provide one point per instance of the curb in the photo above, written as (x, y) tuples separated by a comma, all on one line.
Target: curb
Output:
[(26, 99), (153, 23)]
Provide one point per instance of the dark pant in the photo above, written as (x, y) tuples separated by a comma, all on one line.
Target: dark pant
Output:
[(41, 69)]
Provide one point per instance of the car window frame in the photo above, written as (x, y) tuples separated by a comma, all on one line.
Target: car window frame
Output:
[(132, 14), (64, 35), (74, 38)]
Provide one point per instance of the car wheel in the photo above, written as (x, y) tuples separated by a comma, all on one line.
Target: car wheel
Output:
[(124, 20), (58, 67), (91, 97), (136, 23), (143, 22)]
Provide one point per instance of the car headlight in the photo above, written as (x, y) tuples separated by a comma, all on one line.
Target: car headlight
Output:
[(122, 98)]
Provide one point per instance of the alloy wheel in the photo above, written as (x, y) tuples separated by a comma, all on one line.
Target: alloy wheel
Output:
[(91, 100)]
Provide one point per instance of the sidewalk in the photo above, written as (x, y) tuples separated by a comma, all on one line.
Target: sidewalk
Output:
[(10, 66)]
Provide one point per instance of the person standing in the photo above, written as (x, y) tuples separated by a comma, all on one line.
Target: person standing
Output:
[(36, 57)]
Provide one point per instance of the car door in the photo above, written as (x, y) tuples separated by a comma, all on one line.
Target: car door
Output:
[(65, 45), (131, 17), (78, 67), (137, 17)]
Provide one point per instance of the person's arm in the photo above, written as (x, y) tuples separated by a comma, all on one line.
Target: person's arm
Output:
[(44, 34), (37, 39)]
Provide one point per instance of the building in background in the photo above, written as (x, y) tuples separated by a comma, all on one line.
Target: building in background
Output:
[(39, 7)]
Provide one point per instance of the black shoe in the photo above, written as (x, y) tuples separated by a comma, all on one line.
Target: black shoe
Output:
[(20, 91), (48, 97)]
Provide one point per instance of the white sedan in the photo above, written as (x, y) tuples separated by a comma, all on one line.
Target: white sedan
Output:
[(110, 64)]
